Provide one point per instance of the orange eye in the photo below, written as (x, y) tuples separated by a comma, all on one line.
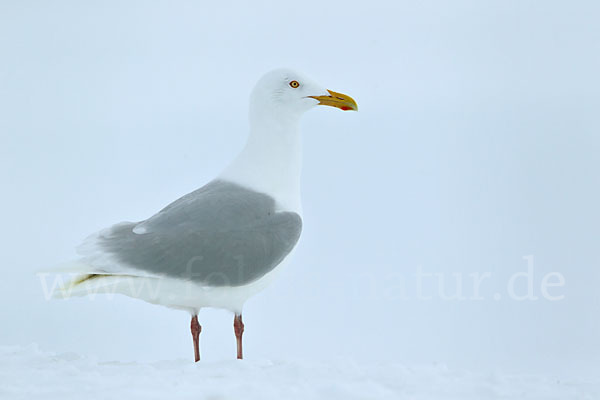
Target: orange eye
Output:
[(294, 84)]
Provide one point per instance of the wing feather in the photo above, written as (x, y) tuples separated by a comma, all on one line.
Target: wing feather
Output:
[(220, 235)]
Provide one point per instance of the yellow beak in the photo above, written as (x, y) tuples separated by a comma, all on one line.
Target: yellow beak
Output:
[(338, 100)]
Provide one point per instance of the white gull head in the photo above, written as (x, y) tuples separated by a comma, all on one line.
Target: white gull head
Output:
[(272, 158), (283, 95)]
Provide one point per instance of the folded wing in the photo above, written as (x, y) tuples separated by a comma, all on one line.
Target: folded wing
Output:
[(219, 235)]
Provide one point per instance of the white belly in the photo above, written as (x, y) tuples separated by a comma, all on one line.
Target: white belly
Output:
[(176, 293)]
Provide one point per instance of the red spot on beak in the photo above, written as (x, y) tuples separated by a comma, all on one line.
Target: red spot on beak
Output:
[(346, 108)]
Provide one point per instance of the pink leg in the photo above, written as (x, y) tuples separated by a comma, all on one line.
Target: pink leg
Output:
[(238, 327), (196, 329)]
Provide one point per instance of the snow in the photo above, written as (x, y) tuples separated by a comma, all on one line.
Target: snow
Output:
[(26, 372)]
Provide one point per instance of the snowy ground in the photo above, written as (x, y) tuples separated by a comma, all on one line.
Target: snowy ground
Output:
[(28, 373)]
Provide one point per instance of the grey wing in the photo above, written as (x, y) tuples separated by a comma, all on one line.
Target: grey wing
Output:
[(220, 235)]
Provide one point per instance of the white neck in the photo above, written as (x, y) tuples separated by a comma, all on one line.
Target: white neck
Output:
[(271, 161)]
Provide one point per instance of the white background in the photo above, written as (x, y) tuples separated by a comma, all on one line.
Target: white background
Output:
[(476, 144)]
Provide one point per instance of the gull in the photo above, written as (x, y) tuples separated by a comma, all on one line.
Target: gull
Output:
[(226, 241)]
